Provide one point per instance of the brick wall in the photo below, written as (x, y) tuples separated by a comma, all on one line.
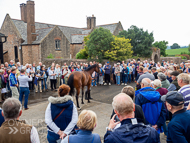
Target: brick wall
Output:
[(74, 49), (31, 53)]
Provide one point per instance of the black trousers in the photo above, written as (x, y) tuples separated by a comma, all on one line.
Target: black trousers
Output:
[(53, 83), (132, 77), (107, 78)]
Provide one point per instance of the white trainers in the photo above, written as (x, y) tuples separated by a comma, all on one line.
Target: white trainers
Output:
[(105, 83), (126, 84), (109, 83), (122, 84)]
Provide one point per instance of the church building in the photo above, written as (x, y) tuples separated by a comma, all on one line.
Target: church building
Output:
[(29, 41)]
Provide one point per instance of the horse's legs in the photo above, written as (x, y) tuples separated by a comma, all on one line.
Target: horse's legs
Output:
[(82, 95), (88, 90), (86, 96), (77, 95)]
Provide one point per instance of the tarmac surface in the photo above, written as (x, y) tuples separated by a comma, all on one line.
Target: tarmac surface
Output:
[(101, 105)]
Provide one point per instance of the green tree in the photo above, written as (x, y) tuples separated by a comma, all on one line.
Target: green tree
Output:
[(121, 49), (175, 46), (140, 40), (162, 45), (99, 42), (189, 48)]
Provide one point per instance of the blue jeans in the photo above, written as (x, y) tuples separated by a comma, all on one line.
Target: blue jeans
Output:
[(24, 91), (117, 79), (93, 82), (125, 78), (44, 81), (63, 81), (129, 77)]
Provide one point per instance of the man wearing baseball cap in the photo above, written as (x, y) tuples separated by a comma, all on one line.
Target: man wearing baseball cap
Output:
[(179, 126)]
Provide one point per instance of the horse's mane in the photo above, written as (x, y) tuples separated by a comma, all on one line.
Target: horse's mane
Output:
[(91, 67)]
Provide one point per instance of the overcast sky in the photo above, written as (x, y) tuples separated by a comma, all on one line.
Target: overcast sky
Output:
[(168, 19)]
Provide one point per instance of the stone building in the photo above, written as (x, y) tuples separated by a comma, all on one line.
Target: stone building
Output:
[(29, 41)]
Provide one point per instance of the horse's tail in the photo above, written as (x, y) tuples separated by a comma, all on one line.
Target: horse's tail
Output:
[(70, 83)]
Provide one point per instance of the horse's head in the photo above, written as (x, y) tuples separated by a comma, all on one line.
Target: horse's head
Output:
[(97, 69)]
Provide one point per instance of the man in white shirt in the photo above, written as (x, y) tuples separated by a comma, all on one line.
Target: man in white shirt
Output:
[(66, 73), (24, 87)]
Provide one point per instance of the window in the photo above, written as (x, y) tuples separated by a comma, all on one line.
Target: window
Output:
[(57, 44)]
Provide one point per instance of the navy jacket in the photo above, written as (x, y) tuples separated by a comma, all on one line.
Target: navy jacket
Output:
[(65, 118), (154, 110), (129, 133), (179, 127), (107, 69), (83, 136), (1, 118)]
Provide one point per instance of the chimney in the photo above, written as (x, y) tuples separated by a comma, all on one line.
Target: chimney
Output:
[(23, 12), (91, 22), (31, 36), (88, 22)]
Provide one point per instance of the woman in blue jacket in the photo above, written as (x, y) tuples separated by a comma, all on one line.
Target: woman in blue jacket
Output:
[(86, 123)]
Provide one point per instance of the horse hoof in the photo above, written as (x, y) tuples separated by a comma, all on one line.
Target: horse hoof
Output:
[(88, 101), (90, 98), (82, 102)]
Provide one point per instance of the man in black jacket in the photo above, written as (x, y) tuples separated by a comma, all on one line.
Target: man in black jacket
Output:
[(155, 73)]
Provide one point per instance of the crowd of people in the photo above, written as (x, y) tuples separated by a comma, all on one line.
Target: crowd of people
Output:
[(158, 104)]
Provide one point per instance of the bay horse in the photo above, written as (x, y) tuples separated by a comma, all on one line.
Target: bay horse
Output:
[(78, 79)]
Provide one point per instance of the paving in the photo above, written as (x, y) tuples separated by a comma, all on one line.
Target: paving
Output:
[(101, 105)]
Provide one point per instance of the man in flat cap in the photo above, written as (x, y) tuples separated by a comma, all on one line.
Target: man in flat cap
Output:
[(174, 85), (179, 126)]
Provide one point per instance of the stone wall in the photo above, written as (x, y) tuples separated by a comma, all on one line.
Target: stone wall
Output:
[(177, 60), (13, 39), (48, 44)]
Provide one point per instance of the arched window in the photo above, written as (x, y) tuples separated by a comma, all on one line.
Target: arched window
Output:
[(57, 44)]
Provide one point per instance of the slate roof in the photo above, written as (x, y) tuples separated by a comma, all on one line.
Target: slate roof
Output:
[(110, 27), (77, 38), (74, 35)]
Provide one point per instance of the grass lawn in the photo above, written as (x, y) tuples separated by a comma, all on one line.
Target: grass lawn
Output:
[(176, 51)]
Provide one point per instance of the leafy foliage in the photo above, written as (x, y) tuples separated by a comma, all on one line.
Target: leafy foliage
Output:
[(50, 56), (82, 54), (140, 40), (189, 48), (99, 42), (121, 49), (162, 45), (175, 46)]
